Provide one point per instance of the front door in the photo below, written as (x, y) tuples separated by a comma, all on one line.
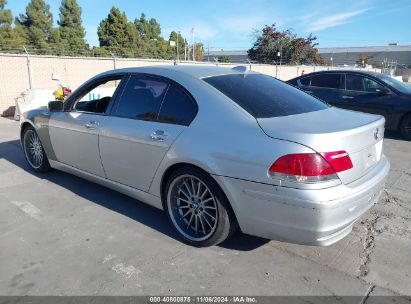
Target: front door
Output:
[(74, 133), (366, 95)]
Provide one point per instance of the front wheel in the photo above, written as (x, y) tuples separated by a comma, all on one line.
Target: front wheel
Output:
[(197, 208), (34, 152), (405, 127)]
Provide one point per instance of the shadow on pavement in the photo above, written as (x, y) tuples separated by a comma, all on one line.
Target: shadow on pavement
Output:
[(115, 201)]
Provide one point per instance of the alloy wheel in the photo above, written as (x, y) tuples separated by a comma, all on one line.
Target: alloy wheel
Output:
[(192, 208), (33, 149)]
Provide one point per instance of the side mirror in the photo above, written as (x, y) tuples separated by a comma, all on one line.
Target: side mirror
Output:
[(56, 106), (382, 91)]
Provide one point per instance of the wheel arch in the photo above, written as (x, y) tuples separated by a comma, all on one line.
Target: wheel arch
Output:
[(403, 117), (24, 126)]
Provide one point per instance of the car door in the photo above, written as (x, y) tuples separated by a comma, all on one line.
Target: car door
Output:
[(74, 132), (367, 95), (147, 118), (326, 86)]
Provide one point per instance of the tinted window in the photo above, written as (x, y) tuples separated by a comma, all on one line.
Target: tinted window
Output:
[(371, 85), (177, 107), (264, 96), (305, 81), (354, 82), (331, 81), (400, 86), (141, 98)]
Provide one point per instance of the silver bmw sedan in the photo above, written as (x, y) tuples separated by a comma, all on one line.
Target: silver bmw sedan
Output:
[(218, 150)]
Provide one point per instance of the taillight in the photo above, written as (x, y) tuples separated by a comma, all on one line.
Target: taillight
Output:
[(339, 160), (310, 167)]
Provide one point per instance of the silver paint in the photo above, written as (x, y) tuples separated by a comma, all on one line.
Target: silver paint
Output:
[(132, 156)]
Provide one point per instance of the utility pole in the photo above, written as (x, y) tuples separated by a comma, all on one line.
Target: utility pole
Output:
[(185, 49), (194, 44), (29, 68), (178, 55)]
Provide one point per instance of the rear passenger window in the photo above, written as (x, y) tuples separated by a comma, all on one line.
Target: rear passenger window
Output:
[(178, 107), (141, 98), (331, 81), (305, 81)]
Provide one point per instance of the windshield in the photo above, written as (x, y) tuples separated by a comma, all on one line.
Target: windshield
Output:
[(264, 96), (398, 85)]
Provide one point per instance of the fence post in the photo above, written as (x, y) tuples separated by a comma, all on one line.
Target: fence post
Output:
[(29, 68), (114, 60)]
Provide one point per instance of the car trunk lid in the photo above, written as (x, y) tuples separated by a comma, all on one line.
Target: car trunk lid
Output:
[(333, 129)]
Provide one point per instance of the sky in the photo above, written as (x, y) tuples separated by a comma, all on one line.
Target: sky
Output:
[(231, 24)]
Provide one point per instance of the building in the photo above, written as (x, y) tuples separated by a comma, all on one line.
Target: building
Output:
[(375, 55), (235, 56), (379, 56)]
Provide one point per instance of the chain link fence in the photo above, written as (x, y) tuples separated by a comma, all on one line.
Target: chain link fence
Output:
[(24, 71)]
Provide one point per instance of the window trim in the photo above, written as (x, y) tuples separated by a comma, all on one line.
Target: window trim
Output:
[(73, 99), (169, 82)]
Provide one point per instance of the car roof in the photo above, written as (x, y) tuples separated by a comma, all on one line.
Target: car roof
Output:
[(192, 70), (370, 73)]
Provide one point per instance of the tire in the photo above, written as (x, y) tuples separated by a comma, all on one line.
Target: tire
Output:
[(405, 127), (33, 151), (197, 208)]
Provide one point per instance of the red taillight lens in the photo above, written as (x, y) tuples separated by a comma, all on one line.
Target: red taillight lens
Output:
[(339, 160), (310, 167), (305, 164)]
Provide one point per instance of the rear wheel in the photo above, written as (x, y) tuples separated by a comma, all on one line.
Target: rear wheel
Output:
[(405, 127), (34, 152), (197, 208)]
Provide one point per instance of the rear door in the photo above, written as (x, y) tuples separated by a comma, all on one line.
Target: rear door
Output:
[(147, 118), (327, 87)]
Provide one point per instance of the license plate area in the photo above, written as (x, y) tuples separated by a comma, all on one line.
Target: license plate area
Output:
[(372, 155)]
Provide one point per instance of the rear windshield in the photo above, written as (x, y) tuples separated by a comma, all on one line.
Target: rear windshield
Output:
[(264, 96)]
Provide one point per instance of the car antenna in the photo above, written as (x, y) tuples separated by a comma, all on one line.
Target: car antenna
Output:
[(241, 69)]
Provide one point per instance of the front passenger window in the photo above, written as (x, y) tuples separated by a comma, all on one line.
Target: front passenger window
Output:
[(97, 98)]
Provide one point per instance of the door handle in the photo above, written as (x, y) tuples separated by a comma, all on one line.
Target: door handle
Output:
[(158, 135), (91, 124), (347, 97)]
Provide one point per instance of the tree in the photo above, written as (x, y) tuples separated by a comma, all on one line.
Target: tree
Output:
[(198, 53), (270, 42), (117, 35), (71, 30), (9, 38), (148, 29), (223, 58), (364, 60), (37, 26)]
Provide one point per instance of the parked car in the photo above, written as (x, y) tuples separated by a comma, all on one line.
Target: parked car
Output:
[(368, 92), (217, 149)]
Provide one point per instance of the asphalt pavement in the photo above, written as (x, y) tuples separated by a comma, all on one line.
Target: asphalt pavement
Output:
[(62, 235)]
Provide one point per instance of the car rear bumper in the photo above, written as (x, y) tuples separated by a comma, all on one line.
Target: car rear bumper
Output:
[(312, 217)]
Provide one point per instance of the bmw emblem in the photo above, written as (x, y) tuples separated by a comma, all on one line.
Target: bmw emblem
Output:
[(376, 133)]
